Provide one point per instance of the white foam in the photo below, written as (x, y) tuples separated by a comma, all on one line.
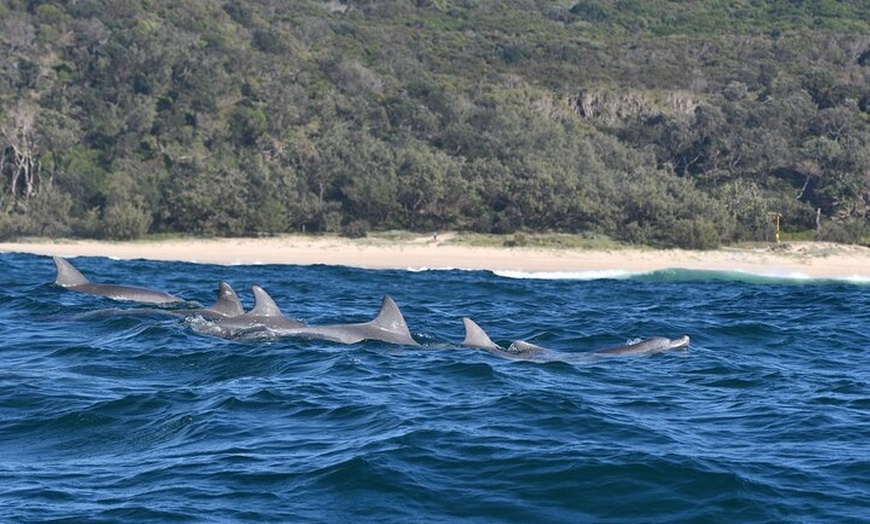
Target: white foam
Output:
[(445, 268), (857, 279), (567, 275)]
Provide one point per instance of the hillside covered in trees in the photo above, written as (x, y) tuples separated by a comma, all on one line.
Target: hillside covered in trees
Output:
[(669, 122)]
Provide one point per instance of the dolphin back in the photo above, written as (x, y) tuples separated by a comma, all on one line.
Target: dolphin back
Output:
[(67, 275), (228, 303), (70, 278), (476, 337), (264, 314), (387, 326), (650, 345), (682, 342)]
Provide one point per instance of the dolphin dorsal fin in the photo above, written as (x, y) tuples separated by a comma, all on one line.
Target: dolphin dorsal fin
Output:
[(264, 306), (390, 318), (475, 336), (67, 275), (228, 303)]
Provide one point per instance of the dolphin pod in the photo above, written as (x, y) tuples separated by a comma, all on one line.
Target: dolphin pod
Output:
[(388, 325), (228, 318)]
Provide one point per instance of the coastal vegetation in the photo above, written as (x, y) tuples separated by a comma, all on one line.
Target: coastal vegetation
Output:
[(686, 123)]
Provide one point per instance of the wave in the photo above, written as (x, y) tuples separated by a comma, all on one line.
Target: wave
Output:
[(566, 275), (680, 275)]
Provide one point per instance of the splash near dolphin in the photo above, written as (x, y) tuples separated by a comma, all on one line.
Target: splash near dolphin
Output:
[(70, 278), (476, 337)]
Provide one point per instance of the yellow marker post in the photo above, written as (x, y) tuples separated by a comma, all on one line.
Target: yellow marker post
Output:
[(777, 217)]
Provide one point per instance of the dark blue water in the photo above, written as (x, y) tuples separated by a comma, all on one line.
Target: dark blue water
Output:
[(120, 417)]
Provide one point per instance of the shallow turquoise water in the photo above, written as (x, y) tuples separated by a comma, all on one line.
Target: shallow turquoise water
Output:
[(111, 415)]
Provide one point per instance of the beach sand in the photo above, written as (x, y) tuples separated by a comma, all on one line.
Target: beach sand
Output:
[(794, 259)]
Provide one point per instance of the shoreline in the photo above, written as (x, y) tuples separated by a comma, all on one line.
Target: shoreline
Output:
[(789, 259)]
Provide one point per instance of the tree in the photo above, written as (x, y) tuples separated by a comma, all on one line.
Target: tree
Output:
[(20, 163), (125, 215), (239, 117)]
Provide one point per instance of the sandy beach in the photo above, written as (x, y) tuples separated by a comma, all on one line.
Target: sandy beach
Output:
[(796, 259)]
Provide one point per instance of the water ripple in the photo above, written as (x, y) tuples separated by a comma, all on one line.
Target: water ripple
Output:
[(112, 412)]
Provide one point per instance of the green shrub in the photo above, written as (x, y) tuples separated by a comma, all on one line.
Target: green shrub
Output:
[(356, 229), (846, 232), (694, 234), (125, 221)]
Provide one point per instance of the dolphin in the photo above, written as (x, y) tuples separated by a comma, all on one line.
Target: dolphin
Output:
[(387, 326), (476, 337), (264, 314), (69, 277), (227, 305), (650, 345)]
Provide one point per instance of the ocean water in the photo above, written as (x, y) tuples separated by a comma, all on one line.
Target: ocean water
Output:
[(113, 413)]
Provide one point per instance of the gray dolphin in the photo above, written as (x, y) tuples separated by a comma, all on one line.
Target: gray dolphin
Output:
[(227, 305), (649, 345), (387, 326), (69, 277), (264, 314), (476, 337)]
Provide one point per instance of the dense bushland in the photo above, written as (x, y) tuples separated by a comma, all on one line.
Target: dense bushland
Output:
[(680, 123)]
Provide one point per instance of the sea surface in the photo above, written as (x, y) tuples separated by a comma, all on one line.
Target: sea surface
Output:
[(111, 412)]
